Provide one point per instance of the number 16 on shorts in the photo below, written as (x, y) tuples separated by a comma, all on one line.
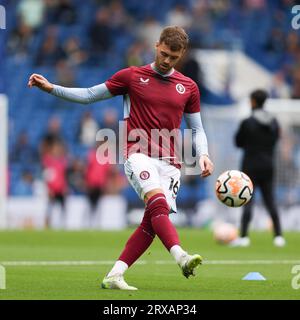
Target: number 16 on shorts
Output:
[(2, 278), (174, 187)]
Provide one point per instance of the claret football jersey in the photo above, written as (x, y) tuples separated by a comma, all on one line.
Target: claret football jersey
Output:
[(153, 108)]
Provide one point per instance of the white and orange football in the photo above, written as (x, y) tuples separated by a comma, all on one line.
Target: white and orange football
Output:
[(234, 188)]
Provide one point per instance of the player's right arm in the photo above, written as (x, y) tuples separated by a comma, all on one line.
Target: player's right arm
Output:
[(80, 95), (118, 84)]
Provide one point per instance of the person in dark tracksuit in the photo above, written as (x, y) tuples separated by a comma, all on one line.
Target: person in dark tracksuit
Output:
[(257, 136)]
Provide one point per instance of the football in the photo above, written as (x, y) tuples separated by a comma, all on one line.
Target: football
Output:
[(234, 188), (224, 233)]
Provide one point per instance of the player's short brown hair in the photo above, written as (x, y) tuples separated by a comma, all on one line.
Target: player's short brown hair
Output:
[(175, 37)]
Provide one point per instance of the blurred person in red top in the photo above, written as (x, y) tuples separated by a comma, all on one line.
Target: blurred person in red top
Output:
[(52, 135), (55, 165), (96, 179)]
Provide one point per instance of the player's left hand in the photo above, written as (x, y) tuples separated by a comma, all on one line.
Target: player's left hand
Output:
[(206, 166)]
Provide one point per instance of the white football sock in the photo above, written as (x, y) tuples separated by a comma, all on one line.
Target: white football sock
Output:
[(177, 252), (119, 268)]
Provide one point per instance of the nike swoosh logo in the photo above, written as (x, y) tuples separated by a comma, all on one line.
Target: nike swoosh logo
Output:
[(144, 80)]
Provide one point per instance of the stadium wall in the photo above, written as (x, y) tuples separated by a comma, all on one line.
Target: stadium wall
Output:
[(30, 213)]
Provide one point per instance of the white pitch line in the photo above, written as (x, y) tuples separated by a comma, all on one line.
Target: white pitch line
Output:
[(236, 262), (252, 262), (143, 262), (60, 263)]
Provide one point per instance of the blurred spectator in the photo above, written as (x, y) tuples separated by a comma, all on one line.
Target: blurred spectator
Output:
[(110, 120), (88, 129), (296, 84), (149, 31), (65, 74), (101, 2), (139, 53), (276, 42), (50, 52), (55, 165), (255, 4), (20, 40), (31, 12), (287, 160), (115, 181), (75, 177), (100, 32), (291, 58), (73, 53), (134, 55), (96, 179), (52, 136), (190, 67), (118, 16), (61, 12), (24, 186), (220, 8), (179, 16), (23, 152), (202, 24)]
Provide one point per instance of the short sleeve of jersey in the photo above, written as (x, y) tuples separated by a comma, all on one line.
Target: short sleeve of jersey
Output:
[(119, 83), (193, 104)]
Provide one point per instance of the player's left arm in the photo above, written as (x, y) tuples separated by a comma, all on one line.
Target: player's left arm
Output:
[(194, 122), (193, 119)]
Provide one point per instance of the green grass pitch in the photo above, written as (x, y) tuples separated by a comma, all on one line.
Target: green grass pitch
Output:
[(157, 277)]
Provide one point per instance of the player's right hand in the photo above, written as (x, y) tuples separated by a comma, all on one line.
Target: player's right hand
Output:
[(37, 80)]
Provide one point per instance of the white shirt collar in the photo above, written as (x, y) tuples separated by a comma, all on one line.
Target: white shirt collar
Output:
[(162, 74)]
